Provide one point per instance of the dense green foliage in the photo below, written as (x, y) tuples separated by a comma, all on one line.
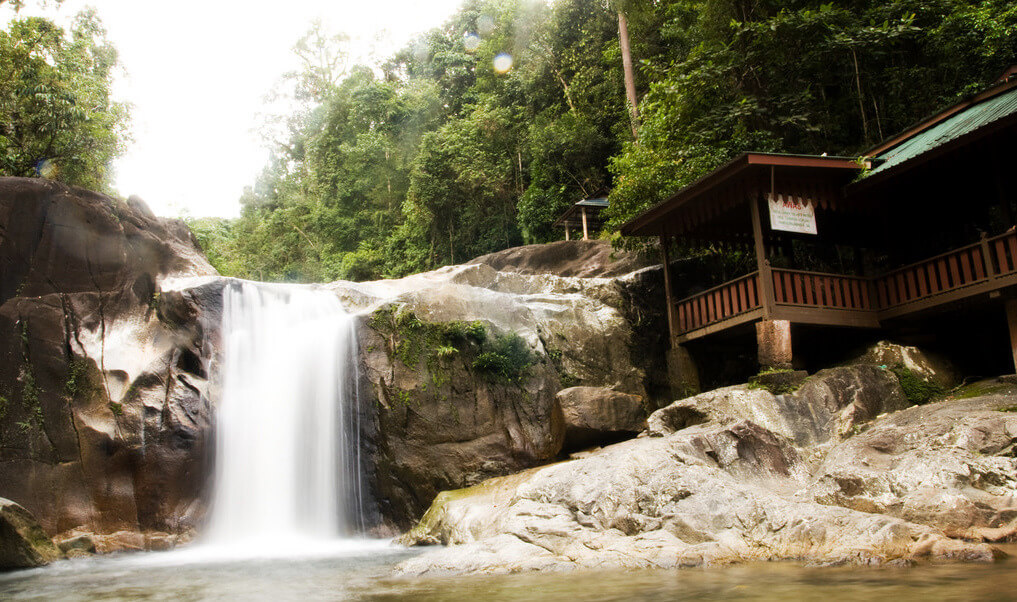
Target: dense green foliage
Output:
[(802, 77), (436, 156), (57, 119)]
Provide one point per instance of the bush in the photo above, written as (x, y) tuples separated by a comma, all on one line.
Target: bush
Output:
[(507, 357)]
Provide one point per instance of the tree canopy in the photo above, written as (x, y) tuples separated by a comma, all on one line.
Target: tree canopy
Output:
[(479, 134), (57, 118)]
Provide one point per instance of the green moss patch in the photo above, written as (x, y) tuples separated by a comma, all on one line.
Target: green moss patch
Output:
[(505, 358), (918, 390), (778, 381)]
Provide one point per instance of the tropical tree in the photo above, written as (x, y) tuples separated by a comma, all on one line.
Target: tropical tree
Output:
[(57, 117)]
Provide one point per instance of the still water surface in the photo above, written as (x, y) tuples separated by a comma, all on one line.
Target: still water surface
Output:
[(364, 573)]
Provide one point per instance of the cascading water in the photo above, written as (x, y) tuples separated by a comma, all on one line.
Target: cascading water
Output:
[(287, 431)]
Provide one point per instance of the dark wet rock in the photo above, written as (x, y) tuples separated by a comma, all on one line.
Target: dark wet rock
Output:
[(780, 381), (23, 543), (104, 414), (598, 415)]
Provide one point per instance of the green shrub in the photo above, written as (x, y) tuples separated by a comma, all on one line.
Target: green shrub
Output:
[(507, 358)]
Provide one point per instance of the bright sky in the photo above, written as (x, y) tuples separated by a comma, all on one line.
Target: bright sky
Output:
[(197, 74)]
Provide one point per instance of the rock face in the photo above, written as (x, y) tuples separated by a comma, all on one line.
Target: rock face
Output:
[(445, 418), (744, 475), (23, 543), (830, 403), (597, 415), (949, 464), (104, 421), (584, 258)]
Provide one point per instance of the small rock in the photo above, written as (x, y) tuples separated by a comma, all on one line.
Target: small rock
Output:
[(77, 545), (23, 543)]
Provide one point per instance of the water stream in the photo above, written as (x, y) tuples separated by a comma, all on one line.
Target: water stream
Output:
[(288, 473), (368, 577)]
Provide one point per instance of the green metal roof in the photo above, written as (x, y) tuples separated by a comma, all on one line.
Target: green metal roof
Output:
[(965, 122)]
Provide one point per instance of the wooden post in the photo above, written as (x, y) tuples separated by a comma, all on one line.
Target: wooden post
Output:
[(566, 231), (1011, 322), (586, 233), (762, 264), (672, 322), (990, 270)]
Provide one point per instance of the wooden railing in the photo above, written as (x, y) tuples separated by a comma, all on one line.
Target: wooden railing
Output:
[(943, 273), (972, 265), (1003, 249), (719, 303), (814, 289)]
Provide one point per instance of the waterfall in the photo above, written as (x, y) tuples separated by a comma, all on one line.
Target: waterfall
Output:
[(287, 428)]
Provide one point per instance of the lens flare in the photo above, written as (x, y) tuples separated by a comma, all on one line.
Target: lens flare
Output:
[(47, 168), (471, 41), (503, 62), (485, 25)]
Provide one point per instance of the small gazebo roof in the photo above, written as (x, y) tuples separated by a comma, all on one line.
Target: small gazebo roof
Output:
[(573, 215), (814, 179)]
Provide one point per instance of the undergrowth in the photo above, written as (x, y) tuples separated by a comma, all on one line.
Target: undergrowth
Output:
[(505, 358)]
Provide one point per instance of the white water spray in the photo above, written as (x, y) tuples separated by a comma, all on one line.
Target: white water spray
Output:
[(287, 431)]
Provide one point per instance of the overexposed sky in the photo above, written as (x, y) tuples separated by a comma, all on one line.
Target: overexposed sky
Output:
[(197, 72)]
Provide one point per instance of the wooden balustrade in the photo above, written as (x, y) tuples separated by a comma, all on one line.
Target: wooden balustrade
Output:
[(719, 303), (814, 289), (936, 275), (1003, 249), (991, 258)]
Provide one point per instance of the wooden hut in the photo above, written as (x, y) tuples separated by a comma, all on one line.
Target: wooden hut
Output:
[(585, 215), (927, 218)]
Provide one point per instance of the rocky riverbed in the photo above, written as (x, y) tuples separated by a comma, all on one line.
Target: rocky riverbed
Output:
[(842, 472), (516, 384)]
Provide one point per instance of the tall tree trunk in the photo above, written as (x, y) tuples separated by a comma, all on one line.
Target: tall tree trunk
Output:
[(630, 78), (861, 104)]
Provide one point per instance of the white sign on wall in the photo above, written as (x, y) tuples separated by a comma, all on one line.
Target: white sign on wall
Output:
[(791, 215)]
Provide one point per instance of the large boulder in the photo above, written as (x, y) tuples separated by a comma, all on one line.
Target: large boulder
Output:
[(705, 496), (23, 543), (104, 413), (445, 418), (927, 366), (583, 258), (843, 471), (598, 415), (832, 403), (949, 464)]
